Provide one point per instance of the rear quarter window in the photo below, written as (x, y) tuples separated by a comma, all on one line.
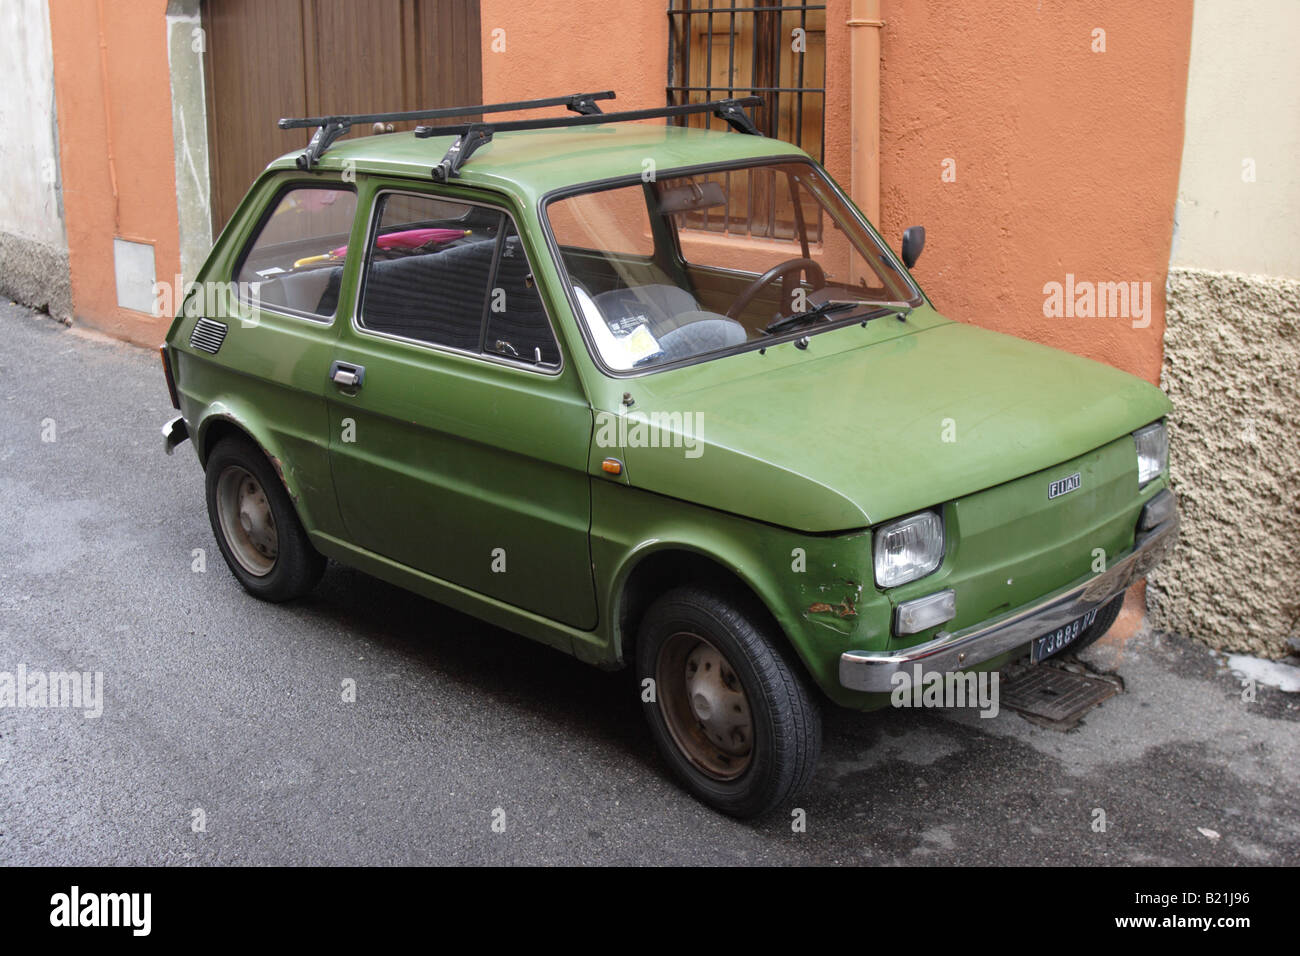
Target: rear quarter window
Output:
[(294, 262)]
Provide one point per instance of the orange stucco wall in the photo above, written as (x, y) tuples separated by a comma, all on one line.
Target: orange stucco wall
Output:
[(139, 98), (1066, 159), (576, 47)]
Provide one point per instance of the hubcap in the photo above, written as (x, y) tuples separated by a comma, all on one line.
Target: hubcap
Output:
[(704, 706), (247, 523)]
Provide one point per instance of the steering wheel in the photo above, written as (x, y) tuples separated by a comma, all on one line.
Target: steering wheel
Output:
[(784, 271)]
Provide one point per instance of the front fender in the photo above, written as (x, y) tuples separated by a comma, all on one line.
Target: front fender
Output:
[(818, 588)]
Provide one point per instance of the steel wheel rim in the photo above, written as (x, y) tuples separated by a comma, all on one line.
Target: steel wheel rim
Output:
[(704, 706), (247, 522)]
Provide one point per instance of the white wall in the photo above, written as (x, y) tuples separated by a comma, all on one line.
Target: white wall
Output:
[(29, 154), (1243, 103), (190, 126)]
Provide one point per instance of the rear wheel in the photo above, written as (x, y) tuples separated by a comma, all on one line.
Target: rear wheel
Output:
[(256, 526), (732, 716)]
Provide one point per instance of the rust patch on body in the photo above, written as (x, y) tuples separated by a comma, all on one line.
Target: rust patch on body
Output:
[(845, 608), (279, 470)]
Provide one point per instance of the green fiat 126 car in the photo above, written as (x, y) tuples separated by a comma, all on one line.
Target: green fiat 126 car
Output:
[(662, 398)]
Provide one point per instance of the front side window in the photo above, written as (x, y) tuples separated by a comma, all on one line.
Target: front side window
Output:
[(686, 297), (295, 261), (455, 275), (517, 326)]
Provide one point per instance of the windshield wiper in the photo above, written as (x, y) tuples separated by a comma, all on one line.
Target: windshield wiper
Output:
[(826, 308), (816, 312)]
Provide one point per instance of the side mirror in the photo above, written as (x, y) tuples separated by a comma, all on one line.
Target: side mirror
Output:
[(913, 243)]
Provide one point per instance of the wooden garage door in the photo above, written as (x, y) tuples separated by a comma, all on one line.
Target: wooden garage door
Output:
[(273, 58)]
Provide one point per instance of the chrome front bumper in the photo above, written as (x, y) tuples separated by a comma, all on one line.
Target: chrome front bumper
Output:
[(873, 671)]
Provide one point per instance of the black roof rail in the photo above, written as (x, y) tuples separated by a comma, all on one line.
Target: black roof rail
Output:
[(470, 136), (330, 128)]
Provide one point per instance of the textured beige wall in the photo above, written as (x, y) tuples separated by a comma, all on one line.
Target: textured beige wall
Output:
[(1232, 355), (1232, 369)]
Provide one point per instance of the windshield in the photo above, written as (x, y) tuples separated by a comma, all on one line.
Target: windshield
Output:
[(699, 266)]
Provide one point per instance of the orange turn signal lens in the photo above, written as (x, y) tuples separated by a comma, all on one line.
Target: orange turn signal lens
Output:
[(167, 373), (612, 465)]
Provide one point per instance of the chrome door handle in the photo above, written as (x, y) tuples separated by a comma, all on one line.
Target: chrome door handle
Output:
[(347, 375)]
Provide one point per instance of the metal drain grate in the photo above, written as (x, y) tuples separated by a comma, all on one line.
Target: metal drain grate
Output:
[(1054, 695)]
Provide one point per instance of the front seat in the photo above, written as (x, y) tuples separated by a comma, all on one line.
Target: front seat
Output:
[(659, 304), (701, 332)]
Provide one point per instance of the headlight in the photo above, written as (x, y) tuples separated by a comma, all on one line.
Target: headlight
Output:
[(908, 549), (1152, 451)]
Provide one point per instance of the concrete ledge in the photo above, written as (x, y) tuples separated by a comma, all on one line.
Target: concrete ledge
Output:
[(36, 275)]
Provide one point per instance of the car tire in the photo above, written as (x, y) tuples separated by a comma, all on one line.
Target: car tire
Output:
[(730, 711), (255, 524), (1104, 621)]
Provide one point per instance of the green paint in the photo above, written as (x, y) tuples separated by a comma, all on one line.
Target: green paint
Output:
[(794, 451)]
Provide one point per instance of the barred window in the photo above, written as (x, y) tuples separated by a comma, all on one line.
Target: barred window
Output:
[(769, 48)]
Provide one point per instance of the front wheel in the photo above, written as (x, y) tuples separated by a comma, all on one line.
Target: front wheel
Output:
[(730, 713)]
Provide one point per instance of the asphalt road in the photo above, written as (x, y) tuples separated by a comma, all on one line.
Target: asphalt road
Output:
[(217, 702)]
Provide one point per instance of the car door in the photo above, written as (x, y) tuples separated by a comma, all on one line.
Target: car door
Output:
[(459, 439)]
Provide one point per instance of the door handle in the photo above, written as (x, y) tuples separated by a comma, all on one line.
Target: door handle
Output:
[(347, 375)]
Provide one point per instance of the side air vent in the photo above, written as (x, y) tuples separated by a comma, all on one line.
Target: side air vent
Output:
[(208, 335)]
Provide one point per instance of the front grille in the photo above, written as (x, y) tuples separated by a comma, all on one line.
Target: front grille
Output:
[(208, 335)]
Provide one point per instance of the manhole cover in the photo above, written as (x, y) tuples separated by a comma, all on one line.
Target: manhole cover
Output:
[(1054, 696)]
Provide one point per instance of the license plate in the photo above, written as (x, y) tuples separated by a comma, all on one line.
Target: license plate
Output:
[(1061, 638)]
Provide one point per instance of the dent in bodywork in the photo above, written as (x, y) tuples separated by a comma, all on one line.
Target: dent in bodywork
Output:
[(842, 605), (831, 599)]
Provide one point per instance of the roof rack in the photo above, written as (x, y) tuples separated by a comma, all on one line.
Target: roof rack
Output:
[(330, 128), (470, 136)]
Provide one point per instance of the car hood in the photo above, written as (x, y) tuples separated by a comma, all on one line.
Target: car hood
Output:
[(867, 432)]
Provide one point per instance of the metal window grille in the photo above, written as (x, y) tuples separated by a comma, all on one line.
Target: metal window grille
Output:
[(776, 50)]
